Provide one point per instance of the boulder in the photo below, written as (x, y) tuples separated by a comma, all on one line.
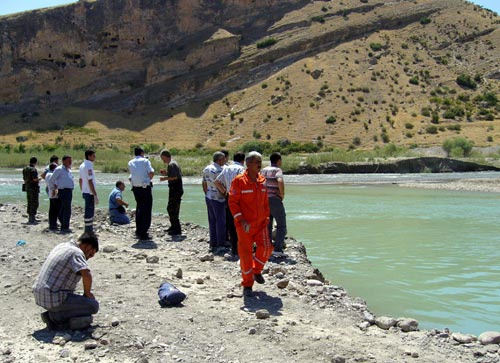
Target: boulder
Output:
[(489, 337), (406, 324), (385, 322)]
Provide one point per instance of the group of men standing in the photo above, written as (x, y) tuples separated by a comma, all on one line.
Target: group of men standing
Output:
[(243, 203)]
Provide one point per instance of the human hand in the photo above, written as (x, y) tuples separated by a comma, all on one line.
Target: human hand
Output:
[(245, 225), (163, 171), (96, 200), (90, 295)]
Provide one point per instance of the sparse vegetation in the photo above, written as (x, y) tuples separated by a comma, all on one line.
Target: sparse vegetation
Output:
[(458, 147), (266, 42)]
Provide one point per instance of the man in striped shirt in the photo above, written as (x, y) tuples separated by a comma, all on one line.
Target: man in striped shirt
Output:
[(223, 183), (276, 193), (55, 285)]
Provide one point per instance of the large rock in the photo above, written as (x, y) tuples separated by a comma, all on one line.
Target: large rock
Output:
[(463, 338), (407, 325), (490, 337), (385, 322)]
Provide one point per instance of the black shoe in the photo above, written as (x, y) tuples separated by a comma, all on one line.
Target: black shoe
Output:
[(66, 231), (247, 292), (259, 278), (174, 232), (51, 325), (145, 237)]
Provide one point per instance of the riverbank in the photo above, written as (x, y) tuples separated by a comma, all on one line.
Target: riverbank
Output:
[(473, 185), (309, 319)]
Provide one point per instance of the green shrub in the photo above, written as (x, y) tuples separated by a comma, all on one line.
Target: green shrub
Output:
[(414, 80), (455, 127), (458, 146), (385, 137), (331, 120), (356, 141), (425, 20), (466, 81), (431, 130), (375, 46), (266, 42), (409, 125), (319, 19)]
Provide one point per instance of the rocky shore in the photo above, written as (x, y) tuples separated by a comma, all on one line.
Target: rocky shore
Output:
[(472, 185), (296, 316)]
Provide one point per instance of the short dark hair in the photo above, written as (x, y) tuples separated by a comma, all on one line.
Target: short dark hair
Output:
[(54, 159), (33, 160), (166, 153), (138, 151), (89, 153), (52, 166), (239, 156), (89, 238), (225, 152), (66, 157), (118, 183), (275, 157)]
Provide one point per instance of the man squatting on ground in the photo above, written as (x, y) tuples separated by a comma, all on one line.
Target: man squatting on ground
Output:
[(249, 205), (223, 183), (32, 188), (173, 175), (276, 193), (116, 204), (55, 285), (62, 180), (88, 188), (215, 203), (141, 173)]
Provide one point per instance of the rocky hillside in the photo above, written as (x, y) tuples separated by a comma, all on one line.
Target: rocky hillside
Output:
[(357, 73)]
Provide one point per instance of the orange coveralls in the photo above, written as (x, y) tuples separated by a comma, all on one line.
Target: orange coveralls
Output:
[(248, 200)]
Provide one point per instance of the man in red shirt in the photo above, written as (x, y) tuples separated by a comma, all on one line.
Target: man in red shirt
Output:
[(249, 205)]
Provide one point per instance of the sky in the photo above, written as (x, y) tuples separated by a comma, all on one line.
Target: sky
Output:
[(14, 6)]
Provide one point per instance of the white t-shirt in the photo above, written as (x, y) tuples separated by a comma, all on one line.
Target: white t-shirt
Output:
[(87, 174)]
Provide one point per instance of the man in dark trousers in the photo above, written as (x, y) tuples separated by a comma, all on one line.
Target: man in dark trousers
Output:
[(62, 180), (141, 173), (54, 288), (31, 180), (173, 175)]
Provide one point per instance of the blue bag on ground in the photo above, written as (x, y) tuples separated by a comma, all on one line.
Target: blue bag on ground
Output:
[(170, 295)]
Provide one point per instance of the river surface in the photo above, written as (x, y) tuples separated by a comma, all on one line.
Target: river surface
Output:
[(432, 255)]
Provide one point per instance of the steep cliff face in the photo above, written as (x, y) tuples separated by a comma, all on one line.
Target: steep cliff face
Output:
[(90, 51)]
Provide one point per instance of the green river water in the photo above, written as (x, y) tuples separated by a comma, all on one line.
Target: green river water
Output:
[(428, 254)]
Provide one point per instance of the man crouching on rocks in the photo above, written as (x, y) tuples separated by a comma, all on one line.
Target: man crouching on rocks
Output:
[(55, 285), (250, 208)]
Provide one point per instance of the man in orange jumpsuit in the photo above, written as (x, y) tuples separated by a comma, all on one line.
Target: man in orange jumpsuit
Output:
[(250, 207)]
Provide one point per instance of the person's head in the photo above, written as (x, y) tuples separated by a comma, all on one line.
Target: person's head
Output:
[(165, 156), (254, 162), (275, 158), (138, 151), (67, 161), (239, 157), (33, 160), (54, 159), (120, 185), (219, 158), (90, 155), (52, 166), (89, 244), (226, 154)]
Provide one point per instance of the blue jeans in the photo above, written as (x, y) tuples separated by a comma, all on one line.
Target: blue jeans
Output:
[(88, 216), (117, 217), (74, 306), (65, 197), (216, 222), (277, 212)]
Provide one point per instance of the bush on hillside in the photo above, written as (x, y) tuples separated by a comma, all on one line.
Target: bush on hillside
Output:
[(266, 43), (466, 81)]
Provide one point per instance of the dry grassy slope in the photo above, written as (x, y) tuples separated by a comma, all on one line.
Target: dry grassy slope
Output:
[(467, 36)]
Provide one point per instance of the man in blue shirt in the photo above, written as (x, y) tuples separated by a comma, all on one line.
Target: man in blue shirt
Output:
[(62, 180), (117, 213), (141, 173)]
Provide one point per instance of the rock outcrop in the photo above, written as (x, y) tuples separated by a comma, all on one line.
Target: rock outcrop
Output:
[(403, 166), (127, 54)]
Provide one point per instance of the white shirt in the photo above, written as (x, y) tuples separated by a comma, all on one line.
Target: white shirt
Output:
[(48, 175), (87, 175), (228, 173), (139, 168), (211, 172)]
